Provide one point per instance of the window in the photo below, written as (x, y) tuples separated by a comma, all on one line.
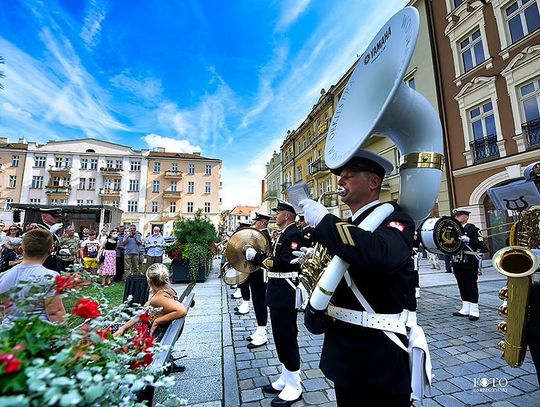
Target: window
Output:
[(93, 163), (8, 203), (68, 162), (172, 207), (115, 204), (157, 166), (118, 164), (109, 163), (522, 18), (190, 207), (89, 202), (58, 162), (328, 185), (133, 185), (81, 202), (155, 186), (82, 184), (35, 201), (190, 187), (132, 206), (298, 173), (457, 3), (174, 186), (530, 100), (208, 169), (91, 183), (12, 181), (84, 163), (482, 122), (14, 160), (107, 184), (174, 167), (472, 51), (39, 161), (134, 165), (66, 181), (154, 207), (191, 169), (117, 184), (411, 83), (54, 201), (309, 162), (207, 207), (207, 187), (37, 181)]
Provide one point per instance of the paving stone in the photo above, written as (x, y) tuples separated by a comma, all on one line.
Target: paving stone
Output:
[(252, 395), (314, 398), (315, 384)]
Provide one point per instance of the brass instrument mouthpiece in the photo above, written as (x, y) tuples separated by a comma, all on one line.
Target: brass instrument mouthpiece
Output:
[(340, 191)]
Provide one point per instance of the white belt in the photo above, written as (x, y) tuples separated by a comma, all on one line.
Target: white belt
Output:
[(384, 322), (292, 274)]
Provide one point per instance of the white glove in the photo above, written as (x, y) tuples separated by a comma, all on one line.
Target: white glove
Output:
[(250, 253), (465, 239), (56, 227), (302, 255), (313, 211)]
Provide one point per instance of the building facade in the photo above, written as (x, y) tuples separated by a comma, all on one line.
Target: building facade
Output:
[(489, 64), (12, 165), (273, 181), (152, 188)]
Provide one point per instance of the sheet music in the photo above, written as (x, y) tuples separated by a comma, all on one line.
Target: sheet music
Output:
[(296, 193)]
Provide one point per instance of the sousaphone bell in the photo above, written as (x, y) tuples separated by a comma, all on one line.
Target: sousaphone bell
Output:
[(235, 253)]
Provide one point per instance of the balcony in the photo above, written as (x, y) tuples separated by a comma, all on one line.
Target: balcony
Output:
[(485, 149), (109, 192), (170, 174), (167, 215), (172, 194), (270, 194), (319, 168), (111, 172), (58, 190), (285, 185), (59, 171), (531, 134)]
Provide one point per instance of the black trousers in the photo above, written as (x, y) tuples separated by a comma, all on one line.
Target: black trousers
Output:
[(258, 292), (285, 333), (534, 347), (244, 290), (119, 268), (354, 397), (467, 281)]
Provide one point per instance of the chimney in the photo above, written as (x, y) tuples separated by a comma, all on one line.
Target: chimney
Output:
[(197, 153), (22, 140)]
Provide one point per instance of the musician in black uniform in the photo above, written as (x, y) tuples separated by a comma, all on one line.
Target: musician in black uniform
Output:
[(52, 221), (257, 285), (307, 231), (368, 365), (465, 265), (281, 298)]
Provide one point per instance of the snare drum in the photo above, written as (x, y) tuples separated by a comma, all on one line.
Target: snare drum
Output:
[(441, 235)]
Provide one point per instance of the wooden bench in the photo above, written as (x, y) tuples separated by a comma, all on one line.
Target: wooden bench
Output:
[(164, 356)]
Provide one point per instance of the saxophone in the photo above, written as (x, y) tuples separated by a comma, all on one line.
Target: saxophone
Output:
[(518, 263)]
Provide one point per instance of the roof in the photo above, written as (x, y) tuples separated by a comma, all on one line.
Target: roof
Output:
[(163, 154), (242, 210), (19, 146), (67, 208)]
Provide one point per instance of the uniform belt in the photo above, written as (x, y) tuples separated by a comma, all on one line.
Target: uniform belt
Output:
[(470, 253), (384, 322), (292, 274)]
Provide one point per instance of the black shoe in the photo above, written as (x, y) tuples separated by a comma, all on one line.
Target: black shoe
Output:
[(277, 402), (249, 338), (459, 314), (269, 389), (176, 368), (239, 313), (251, 346), (473, 318)]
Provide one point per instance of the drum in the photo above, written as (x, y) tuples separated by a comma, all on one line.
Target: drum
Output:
[(441, 235)]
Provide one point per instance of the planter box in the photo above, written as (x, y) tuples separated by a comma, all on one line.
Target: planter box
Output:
[(180, 272)]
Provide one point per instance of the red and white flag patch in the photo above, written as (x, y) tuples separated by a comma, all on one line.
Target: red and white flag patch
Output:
[(294, 245), (397, 225)]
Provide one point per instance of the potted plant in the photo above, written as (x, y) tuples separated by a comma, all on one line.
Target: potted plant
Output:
[(195, 246)]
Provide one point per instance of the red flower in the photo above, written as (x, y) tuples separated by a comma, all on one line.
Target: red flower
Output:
[(10, 363), (144, 318), (104, 333), (86, 308), (145, 361), (64, 283)]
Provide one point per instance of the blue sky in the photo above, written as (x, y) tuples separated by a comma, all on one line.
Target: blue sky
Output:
[(226, 78)]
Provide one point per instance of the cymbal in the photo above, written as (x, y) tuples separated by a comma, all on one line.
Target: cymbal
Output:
[(238, 244), (234, 277)]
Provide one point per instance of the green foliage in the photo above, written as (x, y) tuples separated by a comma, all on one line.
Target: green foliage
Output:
[(196, 240)]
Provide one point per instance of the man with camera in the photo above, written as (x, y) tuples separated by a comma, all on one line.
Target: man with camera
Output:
[(132, 241)]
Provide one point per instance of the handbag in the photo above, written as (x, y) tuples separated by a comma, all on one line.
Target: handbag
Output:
[(101, 258)]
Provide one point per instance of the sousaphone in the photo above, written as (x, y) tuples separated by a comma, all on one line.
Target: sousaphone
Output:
[(235, 253)]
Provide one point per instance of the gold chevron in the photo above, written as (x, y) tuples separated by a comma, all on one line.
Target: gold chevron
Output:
[(344, 233), (268, 263)]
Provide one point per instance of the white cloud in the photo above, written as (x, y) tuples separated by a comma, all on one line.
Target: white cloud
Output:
[(170, 144), (148, 89), (93, 20), (17, 111), (291, 11)]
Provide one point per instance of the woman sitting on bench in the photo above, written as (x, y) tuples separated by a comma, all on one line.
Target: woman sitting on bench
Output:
[(164, 297)]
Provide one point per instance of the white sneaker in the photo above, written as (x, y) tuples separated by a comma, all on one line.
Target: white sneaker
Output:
[(243, 308), (293, 386), (259, 338), (237, 294)]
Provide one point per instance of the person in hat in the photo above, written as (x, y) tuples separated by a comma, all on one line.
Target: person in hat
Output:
[(281, 298), (52, 221), (362, 360), (11, 255), (307, 230), (257, 285), (465, 265)]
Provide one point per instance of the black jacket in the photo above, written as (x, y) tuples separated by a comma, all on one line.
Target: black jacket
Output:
[(279, 293), (380, 265), (476, 244), (258, 275)]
